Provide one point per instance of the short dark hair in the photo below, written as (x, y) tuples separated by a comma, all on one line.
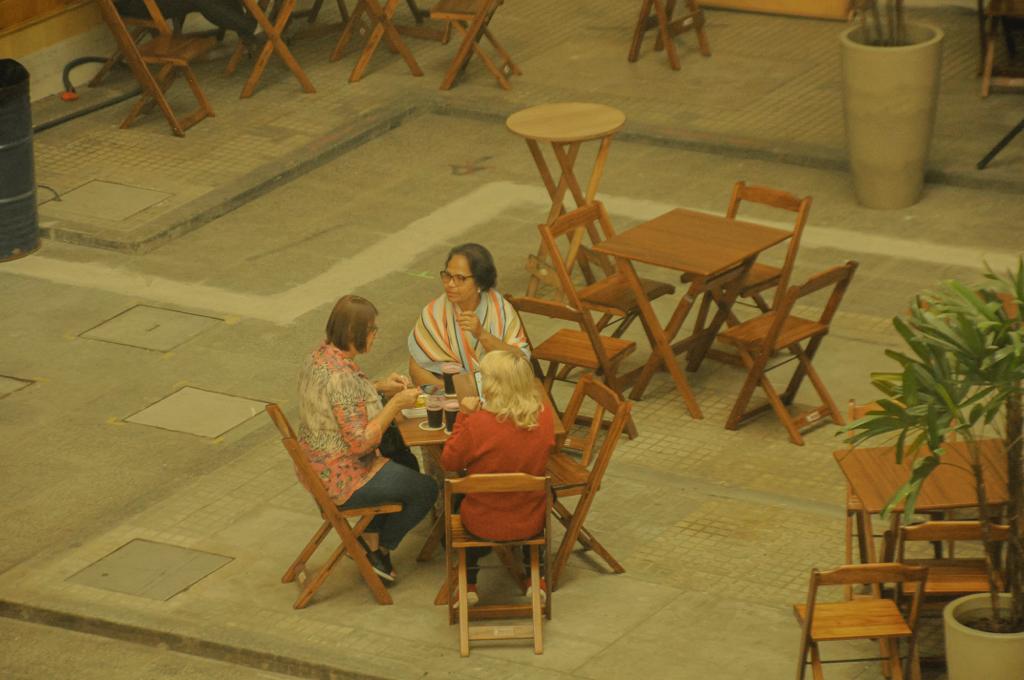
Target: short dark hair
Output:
[(481, 264), (350, 322)]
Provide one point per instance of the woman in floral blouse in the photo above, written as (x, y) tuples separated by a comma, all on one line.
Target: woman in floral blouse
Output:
[(341, 422)]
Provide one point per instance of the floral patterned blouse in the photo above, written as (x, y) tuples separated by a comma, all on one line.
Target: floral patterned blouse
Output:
[(336, 403)]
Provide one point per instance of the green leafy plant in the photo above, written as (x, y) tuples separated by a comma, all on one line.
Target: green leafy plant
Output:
[(883, 27), (960, 377)]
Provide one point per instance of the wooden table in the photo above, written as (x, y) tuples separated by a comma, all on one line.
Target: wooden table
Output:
[(566, 126), (716, 251), (432, 444), (272, 32), (381, 16), (874, 476)]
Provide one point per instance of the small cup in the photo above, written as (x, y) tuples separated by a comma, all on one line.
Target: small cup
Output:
[(451, 412), (435, 412), (448, 373)]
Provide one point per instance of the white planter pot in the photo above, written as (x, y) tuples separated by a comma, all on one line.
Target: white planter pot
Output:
[(973, 654), (889, 97)]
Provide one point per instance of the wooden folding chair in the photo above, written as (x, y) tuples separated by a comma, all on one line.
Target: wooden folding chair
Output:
[(172, 53), (658, 14), (457, 539), (951, 577), (472, 19), (333, 517), (874, 617), (580, 473), (610, 294), (996, 14), (583, 347), (763, 277), (760, 339)]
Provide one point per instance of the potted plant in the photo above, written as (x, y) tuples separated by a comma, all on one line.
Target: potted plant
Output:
[(890, 89), (961, 377)]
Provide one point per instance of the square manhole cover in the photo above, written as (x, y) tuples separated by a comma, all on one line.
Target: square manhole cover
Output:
[(157, 571), (199, 412), (107, 200), (151, 328), (9, 385)]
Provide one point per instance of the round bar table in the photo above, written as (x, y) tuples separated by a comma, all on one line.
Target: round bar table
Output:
[(566, 126)]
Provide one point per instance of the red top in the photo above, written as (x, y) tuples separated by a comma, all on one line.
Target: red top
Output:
[(481, 444)]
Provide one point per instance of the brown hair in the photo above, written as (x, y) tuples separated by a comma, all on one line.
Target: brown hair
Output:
[(350, 322)]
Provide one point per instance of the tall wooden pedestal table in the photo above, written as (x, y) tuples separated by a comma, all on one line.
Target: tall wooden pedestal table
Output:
[(566, 126)]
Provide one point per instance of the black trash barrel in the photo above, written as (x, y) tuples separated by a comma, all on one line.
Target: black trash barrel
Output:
[(19, 221)]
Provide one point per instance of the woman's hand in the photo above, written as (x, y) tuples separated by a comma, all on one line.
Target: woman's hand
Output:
[(469, 322), (395, 382), (405, 398), (469, 404)]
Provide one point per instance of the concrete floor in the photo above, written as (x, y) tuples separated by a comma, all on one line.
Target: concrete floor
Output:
[(717, 530)]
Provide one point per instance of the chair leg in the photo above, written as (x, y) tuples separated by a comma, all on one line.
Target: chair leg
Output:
[(641, 28), (816, 669), (990, 54), (314, 583), (538, 624), (307, 552), (463, 605), (503, 53), (576, 532)]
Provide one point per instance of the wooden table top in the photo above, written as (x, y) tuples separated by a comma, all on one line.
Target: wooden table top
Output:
[(692, 242), (875, 476), (414, 436), (566, 122)]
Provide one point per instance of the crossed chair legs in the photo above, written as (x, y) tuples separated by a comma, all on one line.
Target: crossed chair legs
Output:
[(163, 81)]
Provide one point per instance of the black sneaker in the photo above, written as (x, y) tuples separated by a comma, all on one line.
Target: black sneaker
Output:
[(379, 562)]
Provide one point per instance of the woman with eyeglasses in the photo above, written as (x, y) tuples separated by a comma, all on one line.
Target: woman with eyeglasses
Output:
[(341, 423), (469, 319)]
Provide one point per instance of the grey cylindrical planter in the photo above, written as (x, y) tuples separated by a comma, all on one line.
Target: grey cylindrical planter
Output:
[(973, 654), (889, 98), (19, 221)]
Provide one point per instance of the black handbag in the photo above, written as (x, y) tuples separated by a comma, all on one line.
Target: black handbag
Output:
[(393, 446)]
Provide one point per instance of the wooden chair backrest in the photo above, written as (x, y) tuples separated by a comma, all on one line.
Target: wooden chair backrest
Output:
[(575, 224), (303, 468), (951, 530), (550, 308), (283, 426), (837, 277), (605, 400), (503, 482), (857, 411), (782, 200), (500, 482)]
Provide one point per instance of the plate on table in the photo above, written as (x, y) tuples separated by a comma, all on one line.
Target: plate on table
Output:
[(426, 426), (413, 413)]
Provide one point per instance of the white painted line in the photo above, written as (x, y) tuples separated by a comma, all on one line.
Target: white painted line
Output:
[(397, 251)]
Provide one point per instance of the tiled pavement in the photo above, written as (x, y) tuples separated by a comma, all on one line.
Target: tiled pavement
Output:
[(717, 529)]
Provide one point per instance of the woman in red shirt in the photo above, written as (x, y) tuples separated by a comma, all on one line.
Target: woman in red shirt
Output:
[(509, 430)]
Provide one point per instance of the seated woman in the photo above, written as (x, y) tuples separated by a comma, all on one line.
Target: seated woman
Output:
[(510, 431), (468, 320), (342, 421)]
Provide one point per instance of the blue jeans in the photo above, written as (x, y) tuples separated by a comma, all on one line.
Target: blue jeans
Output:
[(395, 483)]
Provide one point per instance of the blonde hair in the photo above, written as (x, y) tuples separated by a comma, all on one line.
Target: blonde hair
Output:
[(508, 388)]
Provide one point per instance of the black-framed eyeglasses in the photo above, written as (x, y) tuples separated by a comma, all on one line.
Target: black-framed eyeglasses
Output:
[(459, 279)]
